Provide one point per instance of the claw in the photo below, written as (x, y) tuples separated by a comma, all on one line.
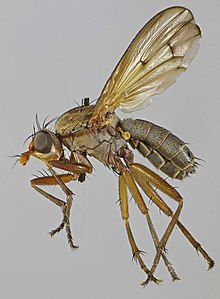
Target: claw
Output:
[(151, 278), (134, 257), (57, 230), (69, 236), (211, 264), (72, 246)]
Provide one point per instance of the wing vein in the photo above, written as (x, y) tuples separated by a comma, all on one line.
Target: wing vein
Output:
[(157, 55)]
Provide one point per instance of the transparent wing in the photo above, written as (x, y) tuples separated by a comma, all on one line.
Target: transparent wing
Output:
[(161, 51)]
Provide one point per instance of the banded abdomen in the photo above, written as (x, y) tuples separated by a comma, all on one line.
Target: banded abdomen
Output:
[(162, 148)]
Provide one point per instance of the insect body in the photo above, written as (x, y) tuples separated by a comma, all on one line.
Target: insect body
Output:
[(160, 52)]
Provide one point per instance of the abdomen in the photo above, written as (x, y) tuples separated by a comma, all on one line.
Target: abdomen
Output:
[(162, 148)]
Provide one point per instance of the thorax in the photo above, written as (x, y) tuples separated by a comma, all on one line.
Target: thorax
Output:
[(105, 144)]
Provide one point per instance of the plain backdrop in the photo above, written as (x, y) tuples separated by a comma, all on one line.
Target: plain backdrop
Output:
[(53, 52)]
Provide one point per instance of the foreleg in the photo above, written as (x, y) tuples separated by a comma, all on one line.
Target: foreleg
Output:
[(56, 179)]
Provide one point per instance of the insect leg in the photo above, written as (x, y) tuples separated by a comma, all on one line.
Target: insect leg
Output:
[(49, 196), (78, 164), (196, 245), (143, 208), (144, 176), (71, 167), (58, 179), (125, 216), (50, 181), (66, 210), (163, 186), (141, 179)]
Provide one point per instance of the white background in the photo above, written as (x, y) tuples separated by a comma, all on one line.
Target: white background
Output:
[(54, 52)]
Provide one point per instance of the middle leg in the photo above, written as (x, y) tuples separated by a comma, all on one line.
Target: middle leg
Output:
[(143, 208), (123, 197)]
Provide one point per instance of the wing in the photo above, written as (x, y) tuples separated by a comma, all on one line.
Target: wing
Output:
[(161, 51)]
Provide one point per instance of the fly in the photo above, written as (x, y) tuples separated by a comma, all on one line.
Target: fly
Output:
[(160, 52)]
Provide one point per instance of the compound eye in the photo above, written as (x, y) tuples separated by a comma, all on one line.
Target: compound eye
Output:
[(43, 142)]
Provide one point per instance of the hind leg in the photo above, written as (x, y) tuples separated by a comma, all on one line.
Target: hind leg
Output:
[(145, 178)]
